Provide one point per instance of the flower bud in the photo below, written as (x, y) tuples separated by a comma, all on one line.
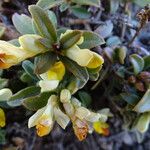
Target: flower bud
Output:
[(65, 96)]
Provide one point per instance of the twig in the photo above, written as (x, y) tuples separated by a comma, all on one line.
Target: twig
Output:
[(136, 34), (124, 26)]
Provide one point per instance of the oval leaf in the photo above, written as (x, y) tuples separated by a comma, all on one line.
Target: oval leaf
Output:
[(70, 39), (44, 62), (144, 103), (17, 99), (36, 102), (48, 4), (91, 40), (137, 63), (43, 23), (29, 69), (23, 24), (75, 69)]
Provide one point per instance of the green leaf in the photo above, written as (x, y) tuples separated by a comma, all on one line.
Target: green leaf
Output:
[(2, 137), (142, 122), (75, 84), (75, 69), (80, 12), (105, 29), (70, 39), (26, 78), (29, 68), (18, 98), (147, 62), (120, 53), (43, 23), (113, 41), (144, 103), (3, 83), (44, 62), (61, 31), (88, 2), (36, 102), (137, 63), (91, 40), (2, 31), (142, 3), (85, 98), (64, 6), (48, 4), (52, 17), (23, 24), (130, 98)]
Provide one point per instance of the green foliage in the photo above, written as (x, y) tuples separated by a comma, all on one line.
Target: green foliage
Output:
[(2, 136), (70, 39), (144, 104), (2, 31), (44, 62), (36, 102), (28, 66), (137, 63), (85, 98), (91, 40), (47, 4), (23, 23), (80, 12), (75, 69), (43, 24), (18, 98)]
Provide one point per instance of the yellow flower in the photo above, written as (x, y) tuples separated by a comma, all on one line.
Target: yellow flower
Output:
[(2, 118), (101, 128), (52, 77), (44, 118), (83, 57), (12, 55)]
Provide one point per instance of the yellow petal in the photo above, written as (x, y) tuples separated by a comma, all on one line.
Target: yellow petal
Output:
[(80, 56), (96, 61), (101, 127), (44, 126), (56, 72), (2, 118), (12, 55), (29, 42)]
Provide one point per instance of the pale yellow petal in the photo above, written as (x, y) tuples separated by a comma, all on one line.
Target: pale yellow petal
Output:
[(80, 56), (5, 94), (82, 113), (48, 85), (96, 61), (61, 118), (29, 42), (65, 96), (33, 120)]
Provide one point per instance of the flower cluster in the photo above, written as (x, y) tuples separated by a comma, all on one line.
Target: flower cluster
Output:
[(66, 108)]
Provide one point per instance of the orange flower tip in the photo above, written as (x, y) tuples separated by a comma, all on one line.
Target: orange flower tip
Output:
[(106, 132)]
